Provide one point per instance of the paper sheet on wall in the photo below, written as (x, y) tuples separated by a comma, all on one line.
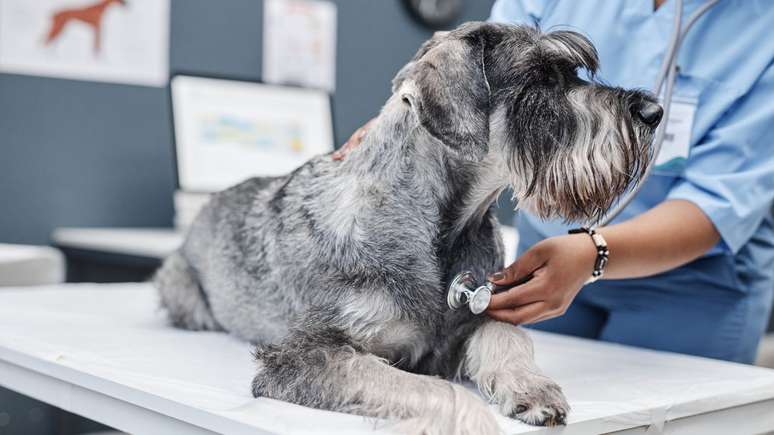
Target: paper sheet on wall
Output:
[(124, 41), (299, 43)]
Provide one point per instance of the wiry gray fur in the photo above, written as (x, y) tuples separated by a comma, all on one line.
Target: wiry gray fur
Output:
[(338, 271)]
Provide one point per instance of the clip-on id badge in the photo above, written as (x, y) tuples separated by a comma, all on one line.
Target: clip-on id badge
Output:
[(677, 139)]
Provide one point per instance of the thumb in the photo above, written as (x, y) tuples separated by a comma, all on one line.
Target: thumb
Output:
[(523, 266)]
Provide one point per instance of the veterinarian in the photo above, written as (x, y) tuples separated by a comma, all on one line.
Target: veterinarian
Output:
[(691, 259)]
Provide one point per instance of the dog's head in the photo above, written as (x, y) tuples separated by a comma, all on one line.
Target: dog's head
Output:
[(511, 99)]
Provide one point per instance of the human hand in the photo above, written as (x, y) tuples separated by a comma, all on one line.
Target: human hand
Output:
[(353, 141), (559, 267)]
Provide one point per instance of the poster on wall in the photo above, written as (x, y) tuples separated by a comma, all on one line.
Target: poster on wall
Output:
[(299, 43), (122, 41)]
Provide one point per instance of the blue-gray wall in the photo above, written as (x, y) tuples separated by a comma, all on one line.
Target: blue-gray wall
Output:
[(90, 154)]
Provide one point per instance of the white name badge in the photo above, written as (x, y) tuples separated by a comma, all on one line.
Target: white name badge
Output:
[(677, 140)]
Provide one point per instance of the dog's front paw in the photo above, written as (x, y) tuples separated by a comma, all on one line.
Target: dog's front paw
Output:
[(267, 382), (261, 382), (450, 411), (535, 400)]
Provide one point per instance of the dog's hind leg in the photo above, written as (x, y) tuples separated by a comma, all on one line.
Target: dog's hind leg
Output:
[(182, 297), (499, 358), (325, 370)]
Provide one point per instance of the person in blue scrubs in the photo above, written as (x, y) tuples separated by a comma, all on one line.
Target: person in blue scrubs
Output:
[(692, 257)]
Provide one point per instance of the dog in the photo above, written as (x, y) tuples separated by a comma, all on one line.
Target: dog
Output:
[(338, 271), (90, 15)]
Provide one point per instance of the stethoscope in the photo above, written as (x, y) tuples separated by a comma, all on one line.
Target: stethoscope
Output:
[(463, 290)]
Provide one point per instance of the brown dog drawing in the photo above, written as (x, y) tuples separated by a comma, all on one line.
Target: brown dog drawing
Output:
[(91, 15)]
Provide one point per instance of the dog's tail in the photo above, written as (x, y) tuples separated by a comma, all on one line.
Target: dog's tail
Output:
[(182, 297)]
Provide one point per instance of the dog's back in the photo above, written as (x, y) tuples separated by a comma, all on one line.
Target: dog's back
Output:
[(212, 251), (262, 252)]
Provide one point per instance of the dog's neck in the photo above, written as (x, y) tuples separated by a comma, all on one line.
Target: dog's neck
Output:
[(398, 151), (477, 197)]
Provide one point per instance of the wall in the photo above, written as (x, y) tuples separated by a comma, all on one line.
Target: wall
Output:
[(89, 154)]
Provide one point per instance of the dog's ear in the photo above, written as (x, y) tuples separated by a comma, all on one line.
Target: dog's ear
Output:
[(446, 86), (427, 46)]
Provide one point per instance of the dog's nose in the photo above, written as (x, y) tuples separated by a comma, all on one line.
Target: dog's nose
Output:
[(650, 113)]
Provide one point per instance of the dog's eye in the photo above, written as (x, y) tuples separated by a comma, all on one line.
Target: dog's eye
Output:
[(406, 101), (558, 77), (560, 81), (553, 80)]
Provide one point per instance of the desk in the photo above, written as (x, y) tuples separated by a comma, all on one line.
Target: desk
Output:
[(114, 254), (105, 352), (140, 242)]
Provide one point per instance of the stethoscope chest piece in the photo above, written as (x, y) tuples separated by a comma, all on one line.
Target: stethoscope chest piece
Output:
[(463, 290)]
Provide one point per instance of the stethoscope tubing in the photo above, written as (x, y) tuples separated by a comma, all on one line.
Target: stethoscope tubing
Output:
[(667, 74)]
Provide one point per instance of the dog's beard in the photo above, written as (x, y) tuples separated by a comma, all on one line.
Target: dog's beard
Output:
[(596, 156)]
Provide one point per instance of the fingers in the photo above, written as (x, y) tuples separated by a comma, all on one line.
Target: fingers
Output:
[(521, 295), (526, 314), (523, 266), (552, 286), (350, 144), (353, 141)]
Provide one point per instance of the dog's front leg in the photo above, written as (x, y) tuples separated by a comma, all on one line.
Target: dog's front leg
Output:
[(499, 358), (324, 369)]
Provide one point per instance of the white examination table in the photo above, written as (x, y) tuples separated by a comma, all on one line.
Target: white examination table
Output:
[(104, 351)]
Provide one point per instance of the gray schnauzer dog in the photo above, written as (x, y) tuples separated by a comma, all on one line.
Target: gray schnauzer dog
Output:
[(338, 271)]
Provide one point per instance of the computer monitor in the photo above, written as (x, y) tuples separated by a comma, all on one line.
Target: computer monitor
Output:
[(228, 130)]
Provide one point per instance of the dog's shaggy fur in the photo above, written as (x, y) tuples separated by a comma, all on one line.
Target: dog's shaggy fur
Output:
[(338, 271)]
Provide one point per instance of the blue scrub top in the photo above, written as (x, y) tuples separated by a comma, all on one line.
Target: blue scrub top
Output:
[(726, 65)]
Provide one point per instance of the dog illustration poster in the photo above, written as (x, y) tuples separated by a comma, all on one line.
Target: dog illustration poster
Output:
[(227, 131), (299, 43), (123, 41)]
